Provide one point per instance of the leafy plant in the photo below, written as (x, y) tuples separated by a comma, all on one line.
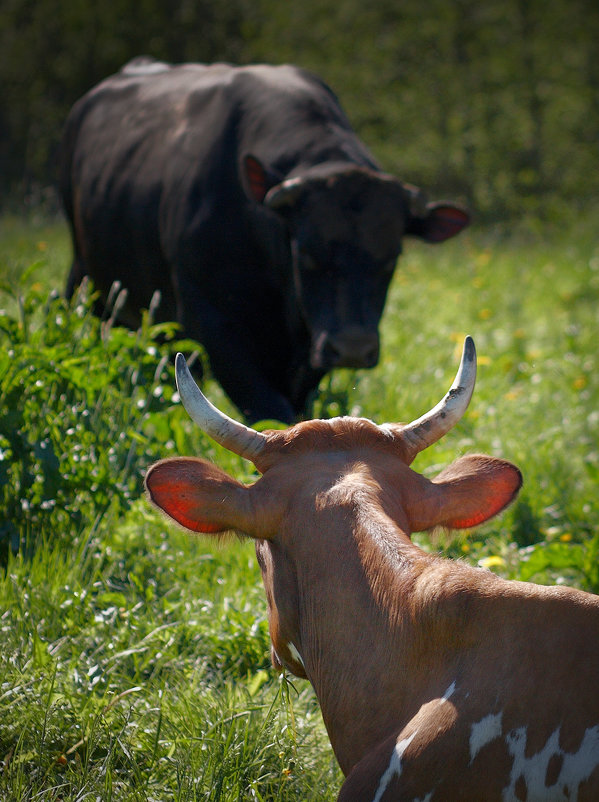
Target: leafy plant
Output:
[(78, 398), (562, 562)]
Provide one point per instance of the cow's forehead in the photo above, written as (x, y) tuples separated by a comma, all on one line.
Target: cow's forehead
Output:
[(363, 210)]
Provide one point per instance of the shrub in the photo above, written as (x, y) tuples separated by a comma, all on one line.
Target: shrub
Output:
[(78, 397)]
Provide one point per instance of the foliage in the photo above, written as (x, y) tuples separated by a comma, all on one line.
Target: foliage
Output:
[(465, 98), (126, 676), (79, 400)]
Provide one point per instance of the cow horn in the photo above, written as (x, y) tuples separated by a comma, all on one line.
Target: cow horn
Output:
[(429, 428), (284, 194), (227, 432)]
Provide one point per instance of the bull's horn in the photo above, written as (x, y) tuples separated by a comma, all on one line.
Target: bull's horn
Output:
[(284, 194), (227, 432), (429, 428)]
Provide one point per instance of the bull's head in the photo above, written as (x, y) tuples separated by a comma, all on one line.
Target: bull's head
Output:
[(346, 225)]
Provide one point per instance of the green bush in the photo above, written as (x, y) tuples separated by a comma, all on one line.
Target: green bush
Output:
[(78, 398)]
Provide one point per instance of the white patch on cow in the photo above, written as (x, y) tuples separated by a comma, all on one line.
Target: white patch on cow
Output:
[(394, 767), (448, 693), (483, 732), (295, 654), (576, 767)]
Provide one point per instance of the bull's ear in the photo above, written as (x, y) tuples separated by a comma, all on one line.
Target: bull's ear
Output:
[(199, 496), (471, 490), (258, 179), (439, 222)]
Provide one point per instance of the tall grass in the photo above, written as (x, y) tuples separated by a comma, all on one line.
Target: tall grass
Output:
[(134, 660)]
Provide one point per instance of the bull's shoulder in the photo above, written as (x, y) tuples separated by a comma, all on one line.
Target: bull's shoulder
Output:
[(159, 78), (196, 76), (285, 80)]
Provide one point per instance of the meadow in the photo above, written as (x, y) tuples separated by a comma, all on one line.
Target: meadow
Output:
[(134, 659)]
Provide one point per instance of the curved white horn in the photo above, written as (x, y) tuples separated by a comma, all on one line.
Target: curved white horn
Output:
[(429, 428), (221, 428), (284, 194)]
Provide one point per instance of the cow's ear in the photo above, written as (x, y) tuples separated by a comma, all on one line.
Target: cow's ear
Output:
[(258, 179), (439, 222), (199, 496), (467, 493)]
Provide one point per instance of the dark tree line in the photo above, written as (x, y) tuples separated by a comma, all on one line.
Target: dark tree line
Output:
[(494, 100)]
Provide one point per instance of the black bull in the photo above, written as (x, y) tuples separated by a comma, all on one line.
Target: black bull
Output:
[(244, 196)]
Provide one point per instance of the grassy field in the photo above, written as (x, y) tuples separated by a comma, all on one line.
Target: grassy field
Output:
[(133, 658)]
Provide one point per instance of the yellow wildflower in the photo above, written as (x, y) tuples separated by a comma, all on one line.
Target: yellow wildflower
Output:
[(494, 561)]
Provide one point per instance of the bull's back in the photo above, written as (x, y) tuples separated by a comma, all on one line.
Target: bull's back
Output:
[(125, 130), (516, 714), (157, 109), (135, 151), (151, 177), (155, 134)]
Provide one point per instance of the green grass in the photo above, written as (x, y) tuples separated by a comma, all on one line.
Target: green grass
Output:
[(134, 660), (137, 668)]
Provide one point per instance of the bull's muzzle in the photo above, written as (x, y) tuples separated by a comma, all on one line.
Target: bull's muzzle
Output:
[(352, 347)]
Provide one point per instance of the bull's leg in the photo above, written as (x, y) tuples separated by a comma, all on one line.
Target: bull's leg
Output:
[(386, 775), (74, 278), (234, 365), (247, 388), (303, 382)]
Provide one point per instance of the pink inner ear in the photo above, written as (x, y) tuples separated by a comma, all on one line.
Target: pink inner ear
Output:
[(478, 518), (256, 176), (173, 486), (477, 488)]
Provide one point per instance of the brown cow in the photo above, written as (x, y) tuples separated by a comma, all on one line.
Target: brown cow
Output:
[(437, 680)]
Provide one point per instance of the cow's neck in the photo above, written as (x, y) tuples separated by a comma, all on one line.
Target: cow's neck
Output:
[(367, 639)]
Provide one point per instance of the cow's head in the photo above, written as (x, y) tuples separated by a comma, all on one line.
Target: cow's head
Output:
[(346, 225), (321, 480)]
